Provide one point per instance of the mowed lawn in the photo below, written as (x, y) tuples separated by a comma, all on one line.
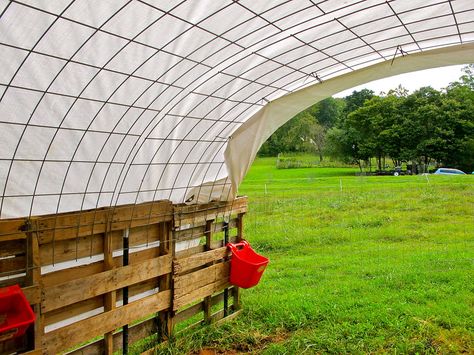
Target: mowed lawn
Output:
[(358, 264)]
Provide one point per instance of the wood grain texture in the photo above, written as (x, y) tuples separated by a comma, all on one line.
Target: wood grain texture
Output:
[(86, 223), (76, 333), (90, 304), (200, 293), (135, 332), (12, 266), (197, 260), (195, 280), (110, 298), (77, 290), (32, 294), (197, 214), (11, 229), (57, 277)]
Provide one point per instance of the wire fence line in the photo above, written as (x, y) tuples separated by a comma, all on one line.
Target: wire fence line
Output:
[(357, 220)]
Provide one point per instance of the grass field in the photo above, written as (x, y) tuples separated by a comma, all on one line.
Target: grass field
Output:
[(358, 265)]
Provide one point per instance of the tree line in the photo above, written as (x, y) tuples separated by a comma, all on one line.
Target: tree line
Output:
[(425, 127)]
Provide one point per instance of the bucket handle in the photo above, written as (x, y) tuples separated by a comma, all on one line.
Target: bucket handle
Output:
[(233, 246)]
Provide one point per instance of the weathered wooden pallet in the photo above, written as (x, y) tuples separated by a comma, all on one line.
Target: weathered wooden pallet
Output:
[(70, 267)]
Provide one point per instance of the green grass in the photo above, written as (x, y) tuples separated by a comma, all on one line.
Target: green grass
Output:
[(293, 160), (357, 265)]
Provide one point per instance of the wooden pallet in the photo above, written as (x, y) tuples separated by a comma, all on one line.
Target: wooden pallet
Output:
[(70, 267)]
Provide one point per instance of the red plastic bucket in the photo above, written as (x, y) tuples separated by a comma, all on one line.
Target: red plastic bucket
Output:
[(15, 313), (246, 266)]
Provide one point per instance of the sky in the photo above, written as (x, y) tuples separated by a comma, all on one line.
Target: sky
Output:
[(437, 78)]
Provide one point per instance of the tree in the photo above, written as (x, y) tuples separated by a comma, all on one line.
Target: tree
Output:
[(356, 100), (297, 137), (306, 132), (318, 138), (458, 106), (378, 125), (468, 78), (329, 111)]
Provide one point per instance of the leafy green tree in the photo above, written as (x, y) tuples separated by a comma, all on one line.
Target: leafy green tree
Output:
[(343, 144), (318, 137), (356, 100), (467, 79), (458, 107), (424, 139), (329, 111), (306, 132), (378, 126)]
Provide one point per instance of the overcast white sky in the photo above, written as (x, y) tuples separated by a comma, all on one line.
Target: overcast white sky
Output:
[(437, 78)]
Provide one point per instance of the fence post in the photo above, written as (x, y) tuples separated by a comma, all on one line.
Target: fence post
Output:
[(111, 297), (165, 282), (33, 278), (207, 300), (226, 291)]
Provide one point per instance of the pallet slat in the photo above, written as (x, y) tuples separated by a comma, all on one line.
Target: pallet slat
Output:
[(199, 284), (91, 304), (60, 276), (187, 283), (200, 293), (77, 290), (76, 333), (196, 214), (85, 223), (11, 229), (198, 230), (70, 225), (147, 213), (135, 332), (32, 294), (71, 249), (196, 260), (12, 266)]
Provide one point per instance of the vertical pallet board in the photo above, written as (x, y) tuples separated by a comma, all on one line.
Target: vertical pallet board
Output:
[(110, 298), (33, 278), (207, 299), (165, 319)]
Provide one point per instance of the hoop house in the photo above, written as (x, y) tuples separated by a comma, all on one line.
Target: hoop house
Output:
[(106, 103)]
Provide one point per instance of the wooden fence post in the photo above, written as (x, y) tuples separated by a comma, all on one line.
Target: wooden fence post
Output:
[(33, 278), (207, 300), (110, 298), (165, 282)]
